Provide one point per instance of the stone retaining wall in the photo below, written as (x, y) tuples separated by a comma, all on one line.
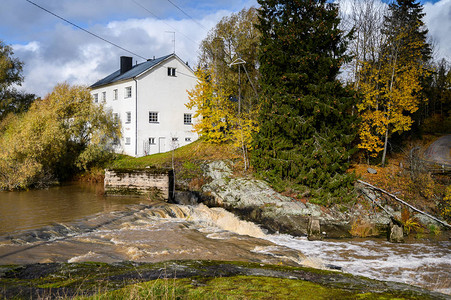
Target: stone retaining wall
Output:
[(151, 182)]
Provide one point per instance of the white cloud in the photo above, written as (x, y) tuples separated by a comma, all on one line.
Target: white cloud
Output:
[(30, 47), (71, 55), (54, 51), (438, 21)]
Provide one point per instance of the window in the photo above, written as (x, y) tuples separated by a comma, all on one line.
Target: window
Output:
[(104, 96), (151, 141), (96, 98), (171, 72), (115, 94), (115, 118), (128, 118), (127, 141), (188, 139), (128, 92), (174, 139), (153, 117), (187, 118)]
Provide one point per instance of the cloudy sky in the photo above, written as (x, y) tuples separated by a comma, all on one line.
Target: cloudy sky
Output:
[(54, 51)]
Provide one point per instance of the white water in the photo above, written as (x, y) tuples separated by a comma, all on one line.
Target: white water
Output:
[(423, 263), (220, 218)]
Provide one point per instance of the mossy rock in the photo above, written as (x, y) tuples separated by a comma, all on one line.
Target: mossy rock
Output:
[(189, 279)]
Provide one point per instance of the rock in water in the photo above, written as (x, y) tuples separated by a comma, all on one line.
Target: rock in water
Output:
[(396, 234), (314, 230)]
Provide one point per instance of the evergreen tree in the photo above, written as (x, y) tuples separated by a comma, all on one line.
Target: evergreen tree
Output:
[(306, 128), (404, 27)]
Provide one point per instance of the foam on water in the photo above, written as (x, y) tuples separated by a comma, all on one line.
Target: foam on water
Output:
[(90, 256), (414, 263), (220, 218)]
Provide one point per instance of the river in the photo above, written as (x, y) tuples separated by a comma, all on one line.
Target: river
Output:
[(75, 223)]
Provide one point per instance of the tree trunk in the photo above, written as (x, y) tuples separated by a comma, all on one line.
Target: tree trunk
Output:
[(385, 148)]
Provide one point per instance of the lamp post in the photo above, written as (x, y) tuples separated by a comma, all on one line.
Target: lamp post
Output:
[(239, 61)]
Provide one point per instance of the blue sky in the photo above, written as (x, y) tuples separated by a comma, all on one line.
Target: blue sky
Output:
[(54, 51)]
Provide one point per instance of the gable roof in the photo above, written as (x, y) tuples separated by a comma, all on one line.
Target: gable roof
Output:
[(133, 72)]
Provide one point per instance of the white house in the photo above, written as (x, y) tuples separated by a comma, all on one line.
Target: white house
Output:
[(149, 99)]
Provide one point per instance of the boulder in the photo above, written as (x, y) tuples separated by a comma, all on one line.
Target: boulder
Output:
[(314, 230), (254, 200), (371, 171), (396, 234)]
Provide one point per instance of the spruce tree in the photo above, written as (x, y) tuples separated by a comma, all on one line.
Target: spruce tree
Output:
[(306, 124), (404, 27)]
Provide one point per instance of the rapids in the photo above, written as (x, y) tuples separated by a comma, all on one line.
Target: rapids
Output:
[(146, 233), (138, 230)]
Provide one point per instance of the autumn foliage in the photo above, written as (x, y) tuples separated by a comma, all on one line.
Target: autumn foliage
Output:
[(217, 115), (59, 135), (392, 82)]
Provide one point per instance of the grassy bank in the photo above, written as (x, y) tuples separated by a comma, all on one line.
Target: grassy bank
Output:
[(195, 152), (194, 280)]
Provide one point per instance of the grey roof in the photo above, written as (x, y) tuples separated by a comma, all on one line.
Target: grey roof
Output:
[(133, 72)]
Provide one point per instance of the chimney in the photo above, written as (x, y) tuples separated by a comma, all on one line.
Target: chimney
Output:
[(126, 64)]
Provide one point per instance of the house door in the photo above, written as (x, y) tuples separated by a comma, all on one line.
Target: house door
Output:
[(161, 144)]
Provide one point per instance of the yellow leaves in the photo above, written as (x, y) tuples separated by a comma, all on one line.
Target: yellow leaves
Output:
[(369, 140), (62, 129), (391, 92), (218, 118), (216, 113), (446, 211)]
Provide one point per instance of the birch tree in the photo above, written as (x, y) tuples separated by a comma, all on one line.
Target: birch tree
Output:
[(392, 84)]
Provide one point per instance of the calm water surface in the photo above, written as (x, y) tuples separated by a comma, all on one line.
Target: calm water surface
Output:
[(60, 204)]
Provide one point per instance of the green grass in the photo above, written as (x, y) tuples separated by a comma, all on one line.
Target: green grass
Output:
[(235, 287), (187, 161), (196, 151)]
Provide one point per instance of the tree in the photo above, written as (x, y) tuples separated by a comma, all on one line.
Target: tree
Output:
[(405, 30), (234, 37), (226, 95), (363, 19), (61, 134), (437, 110), (306, 128), (392, 85), (390, 93), (213, 107), (219, 119), (11, 101), (442, 89)]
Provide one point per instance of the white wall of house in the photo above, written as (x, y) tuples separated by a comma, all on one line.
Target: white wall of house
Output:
[(160, 114)]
